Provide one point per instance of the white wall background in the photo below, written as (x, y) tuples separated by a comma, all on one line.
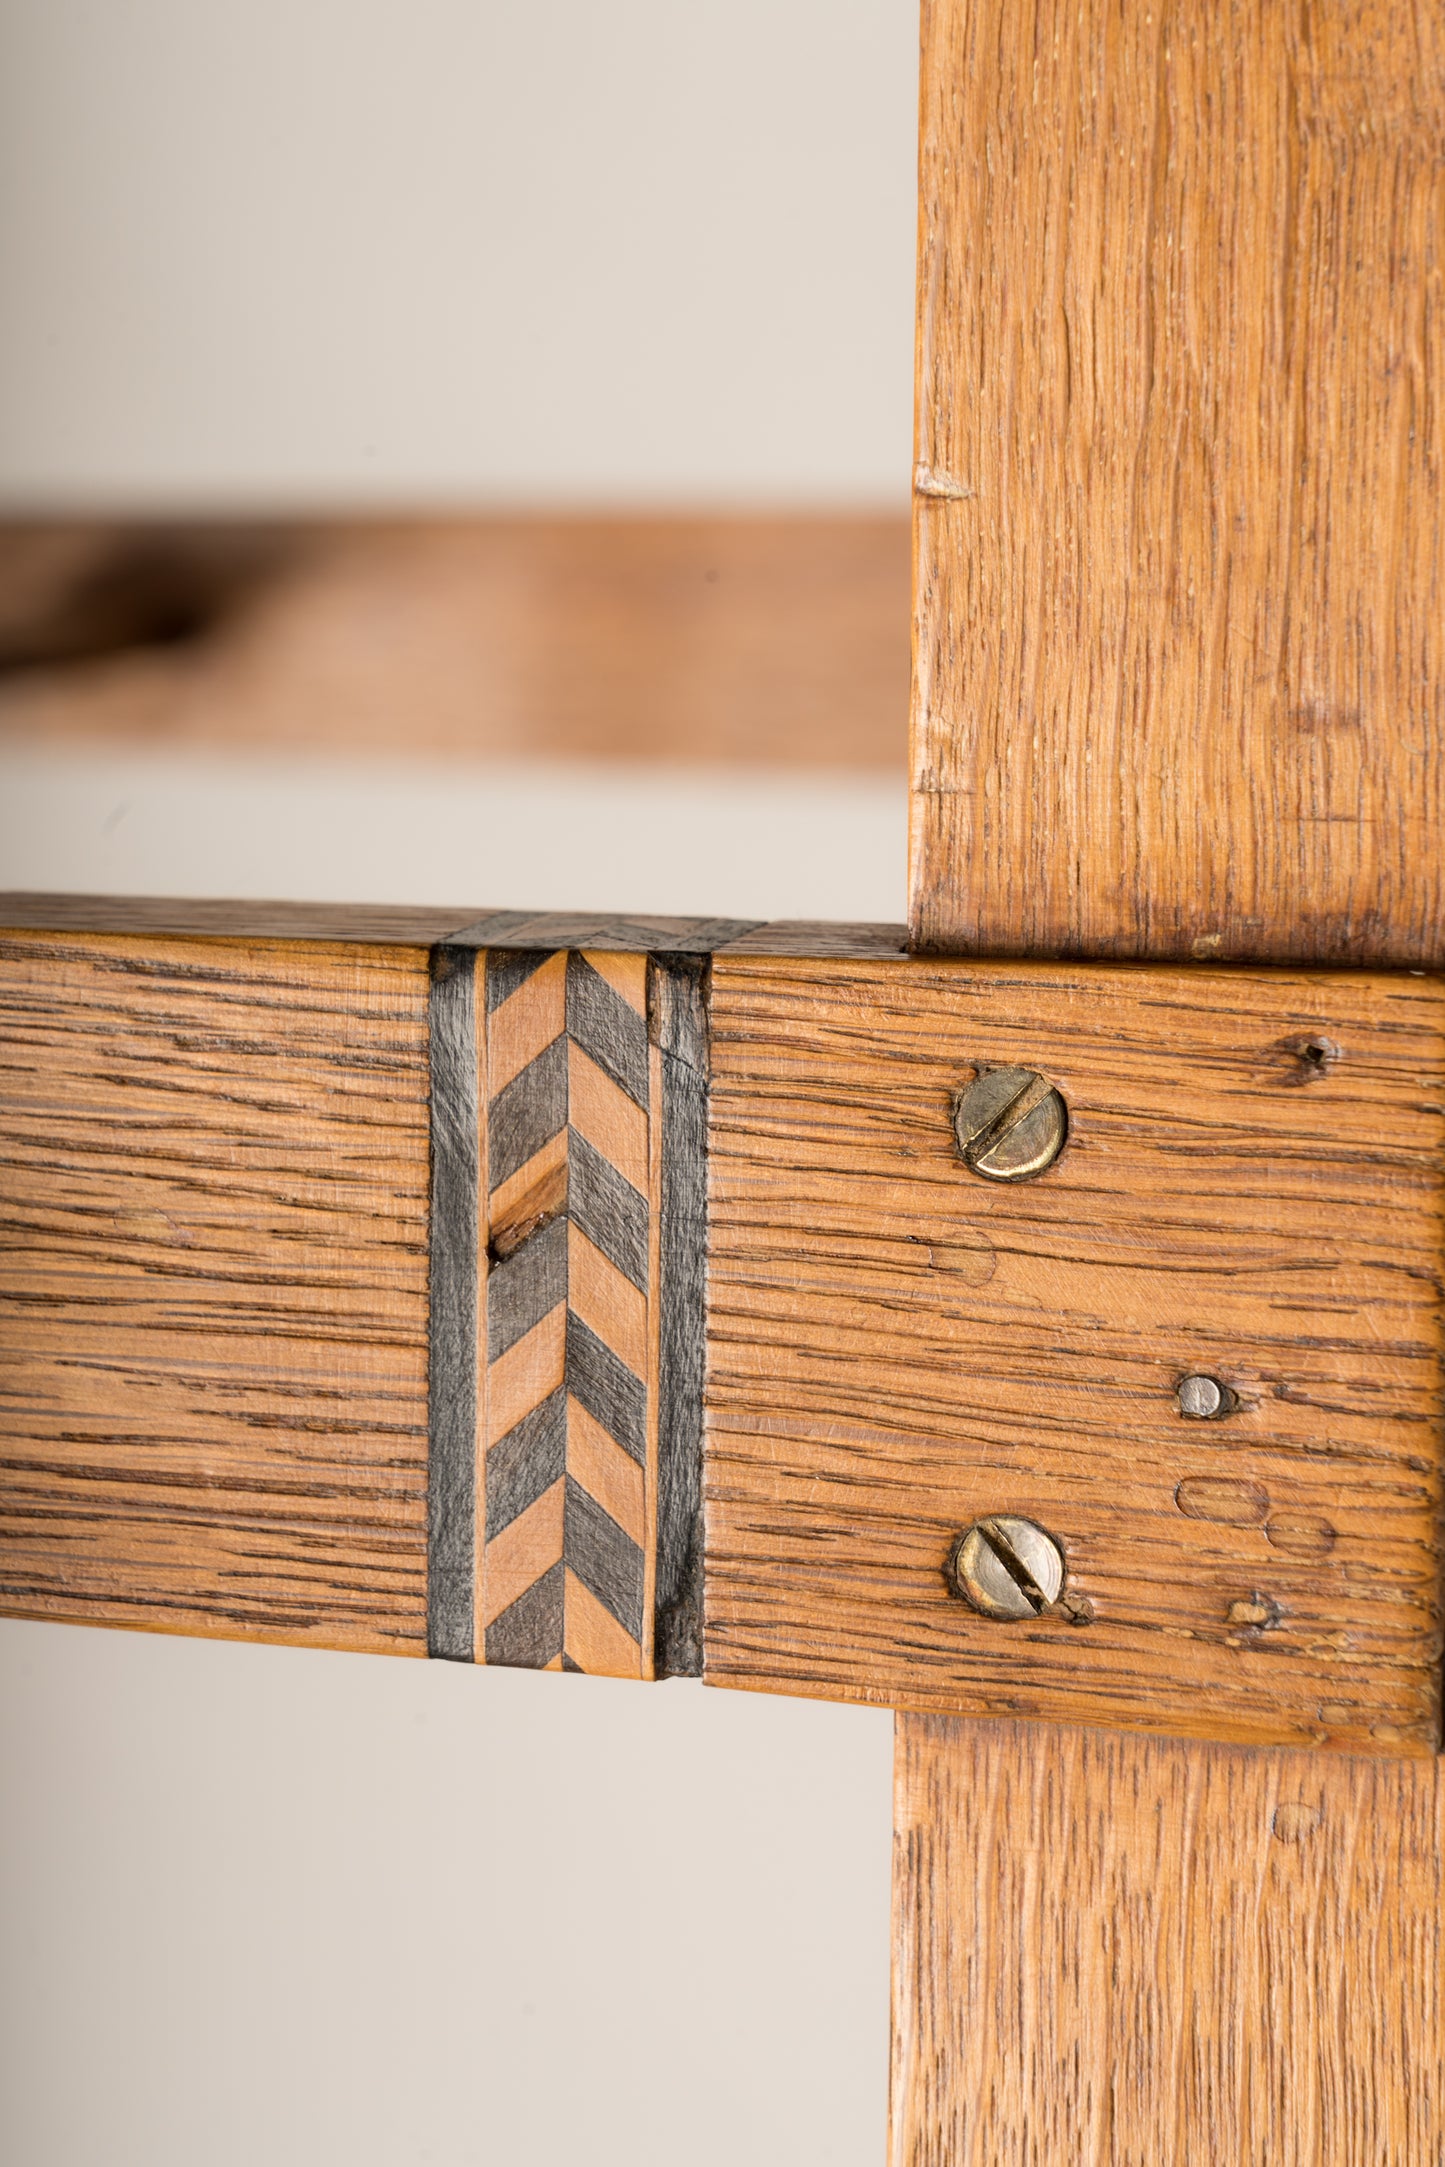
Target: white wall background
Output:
[(272, 1906), (652, 250), (514, 837)]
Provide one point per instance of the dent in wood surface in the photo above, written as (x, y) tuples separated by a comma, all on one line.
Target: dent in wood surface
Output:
[(1179, 679), (897, 1348), (1126, 1950), (213, 1287)]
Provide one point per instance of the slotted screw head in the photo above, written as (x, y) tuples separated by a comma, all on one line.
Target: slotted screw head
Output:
[(1011, 1124), (1006, 1567)]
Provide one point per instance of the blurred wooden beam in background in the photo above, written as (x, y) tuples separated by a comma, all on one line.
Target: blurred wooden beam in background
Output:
[(779, 641)]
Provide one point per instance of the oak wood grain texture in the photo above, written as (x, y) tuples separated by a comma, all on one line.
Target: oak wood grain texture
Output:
[(1125, 1950), (1179, 676), (213, 1287), (765, 640), (897, 1347)]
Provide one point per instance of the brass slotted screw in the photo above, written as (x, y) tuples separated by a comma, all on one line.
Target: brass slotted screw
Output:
[(1011, 1123), (1006, 1567)]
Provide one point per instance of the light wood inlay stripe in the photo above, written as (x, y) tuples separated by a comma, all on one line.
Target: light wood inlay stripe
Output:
[(517, 1031), (521, 1378), (607, 1473), (522, 1552), (627, 975), (612, 1123)]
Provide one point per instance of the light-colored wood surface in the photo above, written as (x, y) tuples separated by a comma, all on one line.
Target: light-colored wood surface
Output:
[(1180, 684), (213, 1287), (898, 1348), (1126, 1951), (775, 641)]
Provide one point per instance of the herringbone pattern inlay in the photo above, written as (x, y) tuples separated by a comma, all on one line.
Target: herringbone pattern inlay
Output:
[(569, 1422)]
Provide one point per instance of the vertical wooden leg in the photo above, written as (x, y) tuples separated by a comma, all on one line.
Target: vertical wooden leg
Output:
[(1122, 1950)]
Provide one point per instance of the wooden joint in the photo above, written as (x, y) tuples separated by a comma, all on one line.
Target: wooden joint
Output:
[(619, 1297)]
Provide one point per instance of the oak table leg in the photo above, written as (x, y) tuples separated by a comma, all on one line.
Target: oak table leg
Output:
[(1144, 1953)]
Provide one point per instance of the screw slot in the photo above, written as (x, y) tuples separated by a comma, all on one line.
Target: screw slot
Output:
[(1006, 1567), (1011, 1124)]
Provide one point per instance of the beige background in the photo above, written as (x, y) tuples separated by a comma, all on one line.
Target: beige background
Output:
[(267, 1906), (652, 249)]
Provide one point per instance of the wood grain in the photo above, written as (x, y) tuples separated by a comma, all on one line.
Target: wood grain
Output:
[(678, 993), (402, 924), (213, 1287), (1124, 1950), (897, 1348), (453, 1294), (1180, 684), (611, 933), (469, 925), (773, 641)]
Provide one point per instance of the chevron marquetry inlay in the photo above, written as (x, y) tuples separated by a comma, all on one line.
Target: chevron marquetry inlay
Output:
[(569, 1395)]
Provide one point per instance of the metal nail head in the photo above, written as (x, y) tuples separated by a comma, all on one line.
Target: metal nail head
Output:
[(1205, 1399), (1006, 1567), (1011, 1123)]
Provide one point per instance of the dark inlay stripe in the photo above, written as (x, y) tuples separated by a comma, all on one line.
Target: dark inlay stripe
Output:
[(677, 1008), (610, 1212), (510, 968), (608, 1028), (526, 1462), (527, 1113), (526, 1287), (604, 1557), (452, 1370), (607, 1389), (528, 1635)]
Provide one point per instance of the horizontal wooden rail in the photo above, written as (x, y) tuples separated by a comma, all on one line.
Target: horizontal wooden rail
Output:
[(357, 1285)]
